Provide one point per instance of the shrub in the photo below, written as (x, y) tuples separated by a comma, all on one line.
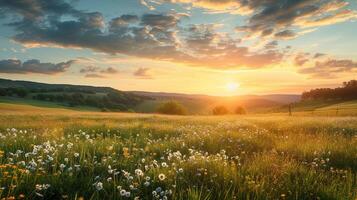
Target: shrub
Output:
[(171, 108), (220, 110), (240, 111)]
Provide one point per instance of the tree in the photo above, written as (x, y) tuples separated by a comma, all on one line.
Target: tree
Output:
[(348, 91), (20, 92), (240, 110), (171, 108), (220, 110), (3, 92)]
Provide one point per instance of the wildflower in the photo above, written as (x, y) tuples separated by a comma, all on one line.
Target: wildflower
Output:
[(110, 148), (146, 183), (158, 189), (162, 177), (110, 171), (62, 166), (127, 194), (76, 155), (139, 172), (122, 192), (99, 186), (164, 164), (126, 152)]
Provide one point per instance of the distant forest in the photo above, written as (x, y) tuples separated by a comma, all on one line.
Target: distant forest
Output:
[(348, 91), (103, 98)]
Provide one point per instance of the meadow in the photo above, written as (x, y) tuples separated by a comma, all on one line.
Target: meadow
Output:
[(51, 153)]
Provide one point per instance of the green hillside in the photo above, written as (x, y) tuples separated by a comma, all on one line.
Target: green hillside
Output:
[(44, 104), (64, 95)]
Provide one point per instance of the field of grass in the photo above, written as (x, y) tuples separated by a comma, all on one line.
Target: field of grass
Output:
[(48, 153)]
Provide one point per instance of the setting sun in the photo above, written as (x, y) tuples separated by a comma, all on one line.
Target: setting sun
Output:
[(232, 87)]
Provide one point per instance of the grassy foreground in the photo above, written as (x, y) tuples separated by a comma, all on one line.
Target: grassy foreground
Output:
[(58, 154)]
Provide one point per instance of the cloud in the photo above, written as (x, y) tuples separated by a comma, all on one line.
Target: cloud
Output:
[(143, 73), (338, 17), (286, 34), (14, 66), (318, 55), (109, 70), (215, 49), (153, 36), (284, 14), (94, 76), (89, 69), (212, 6), (36, 9), (330, 68), (271, 45), (269, 18), (97, 72), (123, 20), (301, 59)]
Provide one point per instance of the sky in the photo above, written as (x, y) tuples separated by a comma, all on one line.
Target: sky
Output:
[(213, 47)]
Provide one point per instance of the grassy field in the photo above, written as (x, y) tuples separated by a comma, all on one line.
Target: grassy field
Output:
[(51, 153)]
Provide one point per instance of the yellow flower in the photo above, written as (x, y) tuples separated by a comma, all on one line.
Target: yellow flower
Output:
[(126, 152)]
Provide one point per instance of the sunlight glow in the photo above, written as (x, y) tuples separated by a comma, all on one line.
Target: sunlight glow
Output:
[(232, 87)]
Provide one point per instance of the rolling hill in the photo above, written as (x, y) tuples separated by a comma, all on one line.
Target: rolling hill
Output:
[(203, 104), (82, 97)]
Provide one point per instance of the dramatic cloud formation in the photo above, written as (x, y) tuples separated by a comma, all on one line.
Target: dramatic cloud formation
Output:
[(162, 36), (270, 18), (14, 66), (214, 6), (154, 36)]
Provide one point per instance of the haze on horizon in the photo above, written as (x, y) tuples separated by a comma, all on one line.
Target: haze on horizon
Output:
[(214, 47)]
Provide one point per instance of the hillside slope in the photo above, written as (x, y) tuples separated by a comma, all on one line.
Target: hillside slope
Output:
[(104, 98)]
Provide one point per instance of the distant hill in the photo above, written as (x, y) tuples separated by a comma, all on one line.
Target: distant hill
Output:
[(107, 98), (104, 98), (29, 85), (203, 104)]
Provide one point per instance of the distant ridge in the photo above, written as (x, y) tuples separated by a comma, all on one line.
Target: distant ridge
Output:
[(107, 98), (5, 83)]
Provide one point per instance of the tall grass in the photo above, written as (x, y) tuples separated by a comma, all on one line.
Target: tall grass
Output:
[(87, 156)]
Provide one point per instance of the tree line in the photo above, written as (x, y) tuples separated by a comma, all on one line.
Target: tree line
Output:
[(175, 108), (109, 101), (348, 91)]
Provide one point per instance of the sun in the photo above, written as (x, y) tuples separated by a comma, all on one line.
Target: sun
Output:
[(232, 87)]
